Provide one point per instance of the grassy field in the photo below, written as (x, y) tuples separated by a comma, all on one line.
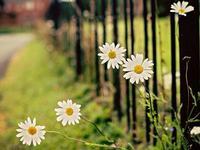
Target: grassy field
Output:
[(34, 83)]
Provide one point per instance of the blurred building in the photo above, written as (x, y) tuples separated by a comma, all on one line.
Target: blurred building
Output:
[(138, 7), (20, 12)]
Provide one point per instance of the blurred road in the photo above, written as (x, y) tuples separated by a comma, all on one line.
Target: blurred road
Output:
[(9, 44)]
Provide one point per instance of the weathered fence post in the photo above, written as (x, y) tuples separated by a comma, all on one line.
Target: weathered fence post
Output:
[(189, 46), (103, 11), (127, 55), (173, 71), (146, 41), (154, 47), (97, 80), (79, 60), (116, 72), (133, 86)]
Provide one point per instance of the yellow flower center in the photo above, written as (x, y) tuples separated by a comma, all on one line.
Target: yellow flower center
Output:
[(69, 111), (32, 130), (138, 69), (112, 54), (181, 11)]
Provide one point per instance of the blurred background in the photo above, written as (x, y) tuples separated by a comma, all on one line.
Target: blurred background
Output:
[(41, 44)]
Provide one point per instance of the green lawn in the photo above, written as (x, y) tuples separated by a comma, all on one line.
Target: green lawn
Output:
[(34, 83)]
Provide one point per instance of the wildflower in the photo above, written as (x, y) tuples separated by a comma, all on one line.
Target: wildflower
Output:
[(112, 54), (68, 112), (195, 131), (137, 69), (181, 8), (29, 132)]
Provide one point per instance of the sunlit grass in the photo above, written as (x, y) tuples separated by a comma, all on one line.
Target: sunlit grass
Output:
[(35, 81)]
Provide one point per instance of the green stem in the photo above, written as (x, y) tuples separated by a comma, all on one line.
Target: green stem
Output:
[(194, 117), (67, 137), (92, 123), (188, 90), (104, 146), (155, 122), (85, 142), (187, 85), (131, 146), (191, 112), (153, 116)]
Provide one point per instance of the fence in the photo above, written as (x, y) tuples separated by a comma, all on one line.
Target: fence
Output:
[(186, 45)]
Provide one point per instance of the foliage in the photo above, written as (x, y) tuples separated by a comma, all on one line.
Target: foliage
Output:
[(163, 7), (67, 11), (165, 129), (19, 29)]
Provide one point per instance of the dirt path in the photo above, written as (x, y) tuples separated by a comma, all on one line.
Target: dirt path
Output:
[(9, 44)]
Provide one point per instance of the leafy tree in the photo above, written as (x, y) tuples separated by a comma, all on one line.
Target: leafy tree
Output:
[(163, 7)]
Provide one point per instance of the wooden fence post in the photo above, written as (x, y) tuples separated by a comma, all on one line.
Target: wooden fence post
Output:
[(189, 46), (79, 54), (134, 116), (173, 71), (146, 50), (103, 11), (127, 55), (154, 47), (116, 72), (97, 80)]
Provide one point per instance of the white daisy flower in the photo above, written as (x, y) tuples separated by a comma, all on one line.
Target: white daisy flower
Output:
[(181, 8), (137, 69), (29, 132), (195, 131), (68, 112), (112, 54)]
